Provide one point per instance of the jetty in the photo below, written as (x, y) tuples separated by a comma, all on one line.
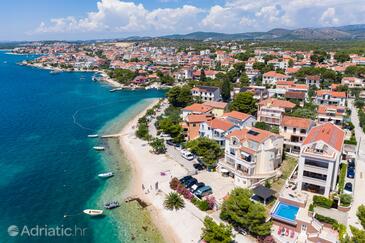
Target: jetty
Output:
[(116, 135), (142, 203)]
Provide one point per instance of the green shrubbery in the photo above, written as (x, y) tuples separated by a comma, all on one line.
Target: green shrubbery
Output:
[(345, 200), (322, 201), (341, 180)]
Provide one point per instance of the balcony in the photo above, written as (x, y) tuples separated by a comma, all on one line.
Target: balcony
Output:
[(314, 181), (316, 169), (240, 160)]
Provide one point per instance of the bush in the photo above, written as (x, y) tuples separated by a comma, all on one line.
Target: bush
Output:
[(311, 207), (361, 215), (174, 183), (322, 201), (341, 180), (203, 205), (173, 201), (327, 220), (345, 200)]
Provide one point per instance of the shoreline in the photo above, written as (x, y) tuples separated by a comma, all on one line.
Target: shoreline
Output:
[(134, 188)]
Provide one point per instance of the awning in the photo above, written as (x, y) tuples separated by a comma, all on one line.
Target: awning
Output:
[(263, 192)]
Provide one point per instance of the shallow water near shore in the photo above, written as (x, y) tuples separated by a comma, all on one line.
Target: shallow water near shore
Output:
[(48, 164)]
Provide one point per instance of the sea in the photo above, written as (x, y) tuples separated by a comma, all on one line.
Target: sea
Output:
[(47, 162)]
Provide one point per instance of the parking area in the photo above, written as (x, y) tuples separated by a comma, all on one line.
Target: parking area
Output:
[(221, 185), (175, 154)]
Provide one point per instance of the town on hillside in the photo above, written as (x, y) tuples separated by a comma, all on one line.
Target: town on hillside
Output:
[(271, 138)]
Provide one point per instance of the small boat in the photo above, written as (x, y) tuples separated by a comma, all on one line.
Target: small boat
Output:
[(111, 205), (116, 89), (99, 148), (106, 175), (93, 212), (55, 72), (92, 135)]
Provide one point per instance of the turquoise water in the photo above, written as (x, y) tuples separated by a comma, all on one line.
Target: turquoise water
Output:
[(286, 212), (47, 162)]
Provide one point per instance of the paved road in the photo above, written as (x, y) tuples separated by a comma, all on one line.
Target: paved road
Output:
[(359, 192)]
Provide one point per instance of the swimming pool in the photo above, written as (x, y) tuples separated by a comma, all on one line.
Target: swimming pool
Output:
[(285, 212)]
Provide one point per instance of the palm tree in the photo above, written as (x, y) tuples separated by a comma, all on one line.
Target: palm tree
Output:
[(173, 201)]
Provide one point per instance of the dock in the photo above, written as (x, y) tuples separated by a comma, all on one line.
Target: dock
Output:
[(117, 135), (142, 203)]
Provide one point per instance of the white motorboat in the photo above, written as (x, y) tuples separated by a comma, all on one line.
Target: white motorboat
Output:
[(99, 148), (106, 175), (92, 135), (93, 212)]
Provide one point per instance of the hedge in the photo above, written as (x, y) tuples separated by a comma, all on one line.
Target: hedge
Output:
[(341, 180), (322, 201)]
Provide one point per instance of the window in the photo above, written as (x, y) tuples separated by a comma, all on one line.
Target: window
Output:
[(294, 129), (285, 128)]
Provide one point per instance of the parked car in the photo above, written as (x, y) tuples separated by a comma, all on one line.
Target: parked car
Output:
[(203, 191), (198, 166), (196, 186), (351, 172), (190, 182), (187, 155), (170, 142), (348, 188), (351, 163), (178, 147), (241, 230), (185, 178), (164, 135)]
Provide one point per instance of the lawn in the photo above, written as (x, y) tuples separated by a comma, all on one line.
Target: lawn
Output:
[(286, 168)]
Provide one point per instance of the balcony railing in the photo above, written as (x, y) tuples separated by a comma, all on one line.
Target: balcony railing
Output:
[(314, 181)]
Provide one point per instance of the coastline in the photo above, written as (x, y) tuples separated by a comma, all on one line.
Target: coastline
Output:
[(134, 188)]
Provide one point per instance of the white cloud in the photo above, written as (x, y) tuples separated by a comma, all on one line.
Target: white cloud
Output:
[(129, 18)]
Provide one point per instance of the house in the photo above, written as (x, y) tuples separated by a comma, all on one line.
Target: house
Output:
[(207, 93), (217, 129), (295, 96), (240, 119), (192, 124), (294, 130), (313, 80), (259, 92), (331, 113), (218, 107), (272, 110), (273, 77), (319, 159), (328, 97), (251, 154), (196, 108), (353, 82)]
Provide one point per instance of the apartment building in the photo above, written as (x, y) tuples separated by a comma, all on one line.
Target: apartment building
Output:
[(272, 110), (192, 125), (218, 108), (331, 113), (353, 82), (294, 130), (207, 93), (197, 109), (251, 154), (217, 129), (320, 158), (329, 97), (313, 80), (272, 77)]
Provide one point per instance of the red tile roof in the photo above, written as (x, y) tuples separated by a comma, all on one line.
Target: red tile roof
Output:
[(323, 109), (237, 115), (245, 134), (290, 121), (216, 104), (195, 118), (332, 93), (198, 108), (275, 74), (328, 133), (220, 124), (277, 103)]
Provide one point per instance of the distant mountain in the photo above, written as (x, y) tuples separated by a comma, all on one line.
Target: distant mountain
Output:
[(326, 33)]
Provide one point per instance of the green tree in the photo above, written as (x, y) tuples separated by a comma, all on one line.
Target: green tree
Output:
[(180, 96), (216, 233), (123, 76), (244, 80), (158, 146), (226, 89), (208, 149), (173, 201), (361, 214), (262, 125), (358, 236), (342, 57), (239, 210), (203, 77), (244, 102)]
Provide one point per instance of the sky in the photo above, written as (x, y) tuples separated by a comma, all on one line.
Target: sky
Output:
[(97, 19)]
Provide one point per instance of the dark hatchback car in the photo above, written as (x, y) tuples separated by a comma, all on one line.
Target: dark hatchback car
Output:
[(185, 178), (199, 166), (351, 172), (190, 182)]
